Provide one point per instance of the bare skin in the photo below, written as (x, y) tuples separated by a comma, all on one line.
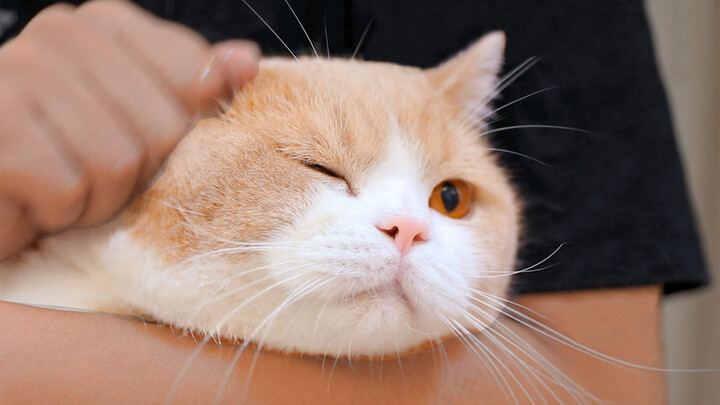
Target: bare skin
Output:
[(93, 100), (53, 357)]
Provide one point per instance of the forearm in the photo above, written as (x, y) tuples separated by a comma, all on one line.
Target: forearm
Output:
[(50, 356)]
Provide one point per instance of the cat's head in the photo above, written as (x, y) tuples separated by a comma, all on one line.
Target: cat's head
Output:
[(339, 207)]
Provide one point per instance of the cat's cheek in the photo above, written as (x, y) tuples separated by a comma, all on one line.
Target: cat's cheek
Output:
[(333, 241)]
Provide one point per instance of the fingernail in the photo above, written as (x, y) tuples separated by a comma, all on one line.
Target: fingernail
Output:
[(253, 48), (227, 55), (212, 64)]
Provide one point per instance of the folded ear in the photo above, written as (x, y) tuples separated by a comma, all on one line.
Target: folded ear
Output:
[(470, 77)]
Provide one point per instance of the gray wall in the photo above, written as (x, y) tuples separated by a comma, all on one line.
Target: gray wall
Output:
[(687, 41)]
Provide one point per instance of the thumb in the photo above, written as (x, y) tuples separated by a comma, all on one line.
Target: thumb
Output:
[(232, 64)]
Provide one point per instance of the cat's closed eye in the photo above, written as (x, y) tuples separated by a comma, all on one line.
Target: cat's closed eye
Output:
[(452, 198), (322, 169)]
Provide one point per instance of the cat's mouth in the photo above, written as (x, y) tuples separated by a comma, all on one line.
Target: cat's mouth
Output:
[(393, 290)]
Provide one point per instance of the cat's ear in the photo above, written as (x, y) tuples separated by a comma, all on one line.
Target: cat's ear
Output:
[(470, 77)]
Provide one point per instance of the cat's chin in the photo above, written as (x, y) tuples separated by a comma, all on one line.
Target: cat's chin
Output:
[(392, 294)]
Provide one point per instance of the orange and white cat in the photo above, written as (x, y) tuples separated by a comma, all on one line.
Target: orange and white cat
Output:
[(339, 207)]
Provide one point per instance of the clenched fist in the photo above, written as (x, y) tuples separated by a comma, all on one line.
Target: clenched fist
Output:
[(92, 100)]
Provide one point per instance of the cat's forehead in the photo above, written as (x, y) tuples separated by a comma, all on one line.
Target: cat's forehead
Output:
[(350, 115)]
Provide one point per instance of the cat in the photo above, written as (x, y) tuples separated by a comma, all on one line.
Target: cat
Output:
[(338, 208)]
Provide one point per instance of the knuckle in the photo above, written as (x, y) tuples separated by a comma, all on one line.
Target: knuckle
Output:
[(69, 197), (13, 113), (109, 9), (188, 39), (18, 58), (55, 19), (124, 165), (171, 128)]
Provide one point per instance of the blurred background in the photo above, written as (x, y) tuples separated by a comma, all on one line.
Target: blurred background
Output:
[(687, 43)]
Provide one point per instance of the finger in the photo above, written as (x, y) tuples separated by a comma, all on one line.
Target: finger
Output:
[(35, 174), (16, 230), (111, 158), (240, 61), (180, 57), (122, 86)]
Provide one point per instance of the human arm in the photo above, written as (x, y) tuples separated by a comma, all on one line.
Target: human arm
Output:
[(51, 357), (92, 100)]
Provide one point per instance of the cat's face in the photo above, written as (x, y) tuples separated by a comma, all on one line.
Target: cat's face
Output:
[(341, 208)]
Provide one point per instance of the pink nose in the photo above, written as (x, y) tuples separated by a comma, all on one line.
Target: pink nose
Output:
[(405, 231)]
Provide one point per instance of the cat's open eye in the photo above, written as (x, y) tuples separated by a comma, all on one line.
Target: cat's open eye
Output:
[(452, 198), (322, 169)]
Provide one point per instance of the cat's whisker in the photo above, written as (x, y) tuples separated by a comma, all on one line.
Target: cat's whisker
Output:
[(501, 274), (511, 152), (528, 269), (553, 374), (299, 293), (227, 250), (271, 30), (504, 302), (327, 40), (502, 107), (507, 367), (349, 352), (216, 296), (221, 324), (481, 352), (515, 73), (559, 127), (487, 124), (399, 360), (169, 205), (550, 372), (250, 372), (504, 82), (544, 330), (186, 366), (467, 121), (432, 334), (466, 124), (303, 29), (529, 373), (312, 82), (362, 38), (317, 321), (324, 358), (511, 77), (216, 331), (332, 370), (224, 103), (484, 327), (252, 247)]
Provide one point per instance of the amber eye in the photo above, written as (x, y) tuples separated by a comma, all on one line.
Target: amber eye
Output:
[(452, 198)]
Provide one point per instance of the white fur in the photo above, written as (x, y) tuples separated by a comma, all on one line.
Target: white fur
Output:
[(339, 261), (329, 283)]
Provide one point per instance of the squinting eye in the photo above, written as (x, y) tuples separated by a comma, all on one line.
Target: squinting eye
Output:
[(322, 169), (452, 198)]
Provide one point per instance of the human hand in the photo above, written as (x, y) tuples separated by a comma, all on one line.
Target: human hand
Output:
[(92, 101)]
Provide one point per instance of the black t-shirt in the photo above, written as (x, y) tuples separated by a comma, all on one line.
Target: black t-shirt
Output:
[(615, 195)]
